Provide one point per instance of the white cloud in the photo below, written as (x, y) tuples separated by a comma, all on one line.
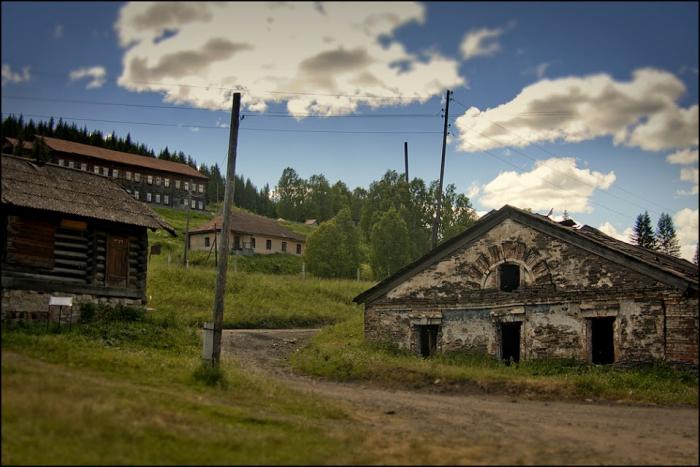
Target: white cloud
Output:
[(609, 229), (686, 223), (473, 191), (683, 157), (553, 183), (642, 112), (481, 42), (58, 31), (299, 47), (690, 175), (96, 74), (538, 70), (9, 76)]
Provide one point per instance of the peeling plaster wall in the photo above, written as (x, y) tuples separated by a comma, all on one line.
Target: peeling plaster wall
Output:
[(562, 288)]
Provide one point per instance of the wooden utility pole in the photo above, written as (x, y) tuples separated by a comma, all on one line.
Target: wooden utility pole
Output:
[(187, 225), (438, 204), (405, 157), (218, 311)]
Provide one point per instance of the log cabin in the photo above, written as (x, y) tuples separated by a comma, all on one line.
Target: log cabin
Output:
[(67, 232)]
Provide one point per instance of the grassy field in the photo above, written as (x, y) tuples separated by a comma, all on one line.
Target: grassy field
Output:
[(124, 393), (340, 352), (252, 300)]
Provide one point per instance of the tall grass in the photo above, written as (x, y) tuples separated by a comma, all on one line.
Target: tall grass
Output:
[(340, 352), (252, 300)]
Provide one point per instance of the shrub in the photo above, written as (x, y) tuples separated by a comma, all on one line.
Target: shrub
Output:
[(90, 312)]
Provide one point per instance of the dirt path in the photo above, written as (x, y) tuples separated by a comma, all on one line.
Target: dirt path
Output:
[(420, 427)]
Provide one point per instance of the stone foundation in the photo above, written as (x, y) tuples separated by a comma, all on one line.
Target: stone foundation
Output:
[(28, 305)]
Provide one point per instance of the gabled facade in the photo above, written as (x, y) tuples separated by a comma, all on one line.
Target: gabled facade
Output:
[(517, 285)]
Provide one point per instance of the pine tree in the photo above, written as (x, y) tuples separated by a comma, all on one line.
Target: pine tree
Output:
[(643, 234), (666, 236)]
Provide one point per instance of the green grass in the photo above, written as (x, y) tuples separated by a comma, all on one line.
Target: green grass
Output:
[(298, 227), (341, 353), (277, 263), (252, 300), (177, 218), (128, 393)]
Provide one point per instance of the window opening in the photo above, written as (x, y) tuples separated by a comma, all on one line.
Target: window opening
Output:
[(427, 338), (510, 277)]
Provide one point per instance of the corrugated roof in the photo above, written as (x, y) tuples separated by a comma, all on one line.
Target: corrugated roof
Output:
[(71, 147), (244, 222), (70, 191)]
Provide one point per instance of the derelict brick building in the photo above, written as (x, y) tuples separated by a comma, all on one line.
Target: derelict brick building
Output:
[(519, 285)]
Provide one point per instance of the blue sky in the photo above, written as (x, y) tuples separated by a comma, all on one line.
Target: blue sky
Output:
[(588, 107)]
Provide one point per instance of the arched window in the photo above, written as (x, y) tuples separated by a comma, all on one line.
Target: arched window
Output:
[(509, 275)]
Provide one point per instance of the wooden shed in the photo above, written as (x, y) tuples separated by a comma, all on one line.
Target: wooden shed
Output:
[(70, 233)]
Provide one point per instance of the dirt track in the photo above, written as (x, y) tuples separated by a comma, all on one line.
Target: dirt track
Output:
[(420, 427)]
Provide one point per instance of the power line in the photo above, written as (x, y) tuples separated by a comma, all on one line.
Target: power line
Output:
[(550, 153), (284, 114), (281, 130)]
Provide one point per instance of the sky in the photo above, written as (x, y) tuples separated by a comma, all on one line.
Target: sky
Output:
[(590, 108)]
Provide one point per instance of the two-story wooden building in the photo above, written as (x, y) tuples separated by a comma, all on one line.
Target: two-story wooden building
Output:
[(67, 232), (150, 180)]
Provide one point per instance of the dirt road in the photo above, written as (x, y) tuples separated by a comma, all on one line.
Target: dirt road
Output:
[(419, 427)]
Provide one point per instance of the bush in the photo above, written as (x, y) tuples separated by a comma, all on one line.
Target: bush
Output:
[(90, 312)]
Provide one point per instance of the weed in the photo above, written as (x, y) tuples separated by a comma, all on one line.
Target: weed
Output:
[(210, 375)]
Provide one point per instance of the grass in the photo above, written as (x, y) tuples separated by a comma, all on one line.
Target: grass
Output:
[(133, 393), (299, 227), (341, 353), (252, 300), (177, 218)]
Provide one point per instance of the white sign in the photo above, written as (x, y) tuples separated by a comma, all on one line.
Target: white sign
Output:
[(61, 301), (208, 341)]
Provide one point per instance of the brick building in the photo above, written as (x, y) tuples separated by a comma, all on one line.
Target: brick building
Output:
[(517, 285), (150, 180)]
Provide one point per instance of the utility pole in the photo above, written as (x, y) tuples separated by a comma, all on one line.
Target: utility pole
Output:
[(438, 204), (405, 157), (187, 225), (218, 311)]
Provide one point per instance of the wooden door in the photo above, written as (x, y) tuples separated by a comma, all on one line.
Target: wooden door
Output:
[(117, 261)]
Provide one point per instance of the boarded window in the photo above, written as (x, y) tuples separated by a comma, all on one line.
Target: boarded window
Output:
[(30, 242), (117, 260), (284, 246), (509, 277)]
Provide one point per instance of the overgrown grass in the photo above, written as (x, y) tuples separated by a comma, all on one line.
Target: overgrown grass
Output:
[(341, 353), (131, 393), (298, 227), (177, 218), (252, 300), (277, 263)]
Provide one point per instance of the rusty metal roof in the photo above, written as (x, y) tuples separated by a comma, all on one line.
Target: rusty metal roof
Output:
[(70, 147), (70, 191)]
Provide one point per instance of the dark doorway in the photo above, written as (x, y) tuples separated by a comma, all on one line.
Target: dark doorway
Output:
[(602, 341), (427, 336), (510, 342), (510, 277)]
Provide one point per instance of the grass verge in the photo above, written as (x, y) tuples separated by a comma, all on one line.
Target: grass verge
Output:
[(341, 353), (131, 393)]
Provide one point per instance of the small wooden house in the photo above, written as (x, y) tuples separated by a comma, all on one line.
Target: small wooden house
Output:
[(71, 233)]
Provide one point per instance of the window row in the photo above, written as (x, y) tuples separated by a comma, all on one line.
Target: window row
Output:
[(268, 244), (156, 198), (135, 176)]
